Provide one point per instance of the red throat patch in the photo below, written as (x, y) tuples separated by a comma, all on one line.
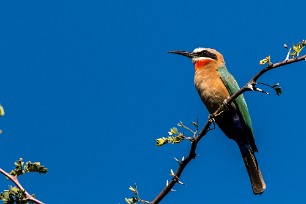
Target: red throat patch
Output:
[(199, 64)]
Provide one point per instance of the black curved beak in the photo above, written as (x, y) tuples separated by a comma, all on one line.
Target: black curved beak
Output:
[(184, 53)]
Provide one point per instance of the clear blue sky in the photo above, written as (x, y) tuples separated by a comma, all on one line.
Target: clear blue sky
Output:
[(87, 87)]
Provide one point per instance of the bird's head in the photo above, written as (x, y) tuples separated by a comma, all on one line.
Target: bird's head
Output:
[(203, 57)]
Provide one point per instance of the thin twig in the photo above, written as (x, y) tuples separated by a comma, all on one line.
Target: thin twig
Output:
[(15, 180), (192, 154)]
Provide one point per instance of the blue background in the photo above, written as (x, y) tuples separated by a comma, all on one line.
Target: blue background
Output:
[(87, 87)]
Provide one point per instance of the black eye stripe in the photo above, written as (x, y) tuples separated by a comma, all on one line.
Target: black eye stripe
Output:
[(208, 54)]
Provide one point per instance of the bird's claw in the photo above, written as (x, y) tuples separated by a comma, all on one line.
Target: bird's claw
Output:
[(211, 118)]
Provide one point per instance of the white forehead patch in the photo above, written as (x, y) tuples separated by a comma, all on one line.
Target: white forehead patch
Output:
[(199, 49)]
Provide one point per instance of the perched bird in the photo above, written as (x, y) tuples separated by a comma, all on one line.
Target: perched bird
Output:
[(215, 84)]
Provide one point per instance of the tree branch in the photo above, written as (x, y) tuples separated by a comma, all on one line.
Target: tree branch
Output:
[(192, 153), (15, 180)]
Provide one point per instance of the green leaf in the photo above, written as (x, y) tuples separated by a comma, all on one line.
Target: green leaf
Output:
[(35, 167), (6, 195), (297, 48), (161, 141), (176, 140), (173, 131), (129, 200), (19, 168), (265, 60), (181, 135), (14, 189), (1, 110), (132, 189), (171, 140)]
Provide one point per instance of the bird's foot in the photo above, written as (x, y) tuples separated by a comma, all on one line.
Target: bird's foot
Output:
[(211, 118)]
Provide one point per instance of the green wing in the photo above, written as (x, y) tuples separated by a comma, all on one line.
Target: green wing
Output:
[(232, 87)]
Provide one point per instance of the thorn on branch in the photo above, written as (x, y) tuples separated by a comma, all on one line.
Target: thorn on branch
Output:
[(181, 183), (167, 183), (172, 173), (178, 161), (288, 54), (175, 177), (260, 90)]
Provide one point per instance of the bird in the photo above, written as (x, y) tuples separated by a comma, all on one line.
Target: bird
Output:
[(215, 84)]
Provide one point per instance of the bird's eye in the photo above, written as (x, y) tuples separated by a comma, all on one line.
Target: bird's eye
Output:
[(204, 53)]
